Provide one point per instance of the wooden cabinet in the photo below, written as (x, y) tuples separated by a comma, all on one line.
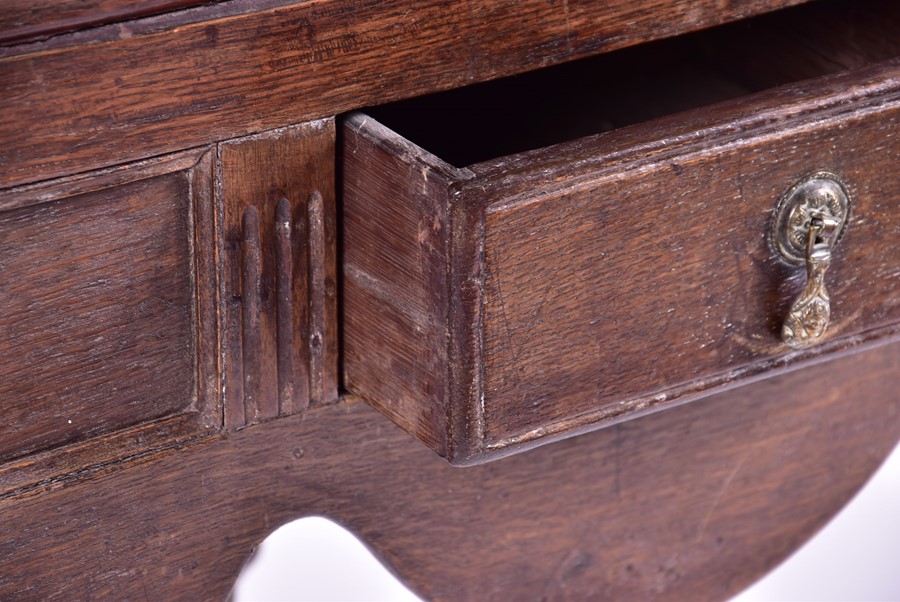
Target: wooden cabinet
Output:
[(234, 234)]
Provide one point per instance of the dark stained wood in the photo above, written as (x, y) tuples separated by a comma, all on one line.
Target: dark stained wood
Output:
[(604, 278), (395, 297), (810, 40), (125, 337), (284, 306), (155, 88), (99, 311), (689, 504), (464, 300), (281, 341), (490, 120), (21, 19), (669, 284), (84, 183), (322, 286), (251, 301)]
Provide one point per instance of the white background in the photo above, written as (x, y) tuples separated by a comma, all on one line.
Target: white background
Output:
[(856, 558)]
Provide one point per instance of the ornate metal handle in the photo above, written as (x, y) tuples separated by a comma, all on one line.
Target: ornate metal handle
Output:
[(809, 221), (811, 312)]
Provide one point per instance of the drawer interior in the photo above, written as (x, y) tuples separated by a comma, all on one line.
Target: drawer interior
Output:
[(610, 91)]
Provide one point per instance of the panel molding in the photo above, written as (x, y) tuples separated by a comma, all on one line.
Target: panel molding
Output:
[(199, 414)]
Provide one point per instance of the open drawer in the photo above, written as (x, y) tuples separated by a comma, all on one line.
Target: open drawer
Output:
[(537, 257)]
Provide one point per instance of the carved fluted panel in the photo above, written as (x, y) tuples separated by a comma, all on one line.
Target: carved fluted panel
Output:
[(280, 339)]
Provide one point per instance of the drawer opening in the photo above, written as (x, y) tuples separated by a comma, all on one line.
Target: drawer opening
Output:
[(526, 112)]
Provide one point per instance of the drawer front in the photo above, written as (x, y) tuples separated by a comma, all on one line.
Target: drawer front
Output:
[(99, 326), (632, 288)]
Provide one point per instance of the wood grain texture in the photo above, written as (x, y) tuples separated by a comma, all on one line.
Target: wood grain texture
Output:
[(109, 317), (691, 504), (491, 120), (395, 297), (278, 195), (617, 274), (97, 330), (21, 19), (669, 281), (160, 86), (814, 39)]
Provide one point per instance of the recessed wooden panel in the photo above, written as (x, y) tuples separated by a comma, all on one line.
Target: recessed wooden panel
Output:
[(98, 329)]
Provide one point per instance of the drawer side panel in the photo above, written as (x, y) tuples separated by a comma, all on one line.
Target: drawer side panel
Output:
[(395, 262)]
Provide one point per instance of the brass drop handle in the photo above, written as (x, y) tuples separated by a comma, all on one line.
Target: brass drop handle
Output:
[(810, 218), (811, 312)]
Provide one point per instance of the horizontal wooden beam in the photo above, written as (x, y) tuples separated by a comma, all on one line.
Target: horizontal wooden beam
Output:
[(24, 19), (143, 88)]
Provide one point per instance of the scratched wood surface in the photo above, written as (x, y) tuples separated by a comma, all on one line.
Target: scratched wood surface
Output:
[(395, 296), (596, 280), (490, 120), (98, 310), (163, 84), (689, 504), (108, 335), (110, 344), (678, 288), (692, 503)]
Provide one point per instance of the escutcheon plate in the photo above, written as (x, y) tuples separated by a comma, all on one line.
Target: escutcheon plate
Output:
[(821, 194)]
